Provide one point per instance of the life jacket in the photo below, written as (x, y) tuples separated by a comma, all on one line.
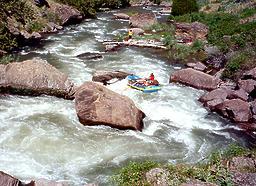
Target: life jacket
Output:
[(130, 33), (152, 77)]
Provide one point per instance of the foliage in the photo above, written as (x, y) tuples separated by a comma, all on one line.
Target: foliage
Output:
[(222, 25), (213, 171), (89, 7), (181, 7), (34, 26), (7, 59), (133, 173)]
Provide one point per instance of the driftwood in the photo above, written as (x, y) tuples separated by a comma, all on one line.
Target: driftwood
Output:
[(157, 45)]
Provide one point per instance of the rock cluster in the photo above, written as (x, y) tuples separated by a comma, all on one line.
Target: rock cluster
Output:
[(236, 103)]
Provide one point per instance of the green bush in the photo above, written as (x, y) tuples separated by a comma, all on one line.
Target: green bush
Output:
[(181, 7)]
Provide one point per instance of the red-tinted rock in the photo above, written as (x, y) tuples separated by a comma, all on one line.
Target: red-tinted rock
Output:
[(240, 94), (247, 85), (195, 79), (235, 109), (251, 74), (215, 94), (96, 105)]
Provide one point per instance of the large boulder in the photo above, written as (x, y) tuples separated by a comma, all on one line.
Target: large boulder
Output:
[(235, 109), (195, 79), (66, 14), (143, 20), (97, 105), (34, 77), (105, 76)]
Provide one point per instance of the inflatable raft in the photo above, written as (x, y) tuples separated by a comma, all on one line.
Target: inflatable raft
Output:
[(136, 82)]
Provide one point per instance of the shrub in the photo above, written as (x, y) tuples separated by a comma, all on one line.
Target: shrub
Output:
[(181, 7)]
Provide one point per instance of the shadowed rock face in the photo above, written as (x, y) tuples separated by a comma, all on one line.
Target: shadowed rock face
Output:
[(34, 77), (195, 79), (144, 20), (97, 105)]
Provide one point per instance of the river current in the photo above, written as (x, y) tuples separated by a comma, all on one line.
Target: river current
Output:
[(41, 137)]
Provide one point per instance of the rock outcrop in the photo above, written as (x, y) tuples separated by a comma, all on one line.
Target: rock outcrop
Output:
[(66, 14), (195, 79), (34, 77), (97, 105), (143, 20), (105, 76), (189, 32)]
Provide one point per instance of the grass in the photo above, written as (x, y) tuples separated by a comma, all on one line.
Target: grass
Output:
[(212, 171)]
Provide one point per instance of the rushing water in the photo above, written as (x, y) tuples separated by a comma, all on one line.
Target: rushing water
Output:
[(41, 137)]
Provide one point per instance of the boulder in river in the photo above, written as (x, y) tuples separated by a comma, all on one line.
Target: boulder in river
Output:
[(34, 77), (195, 79), (121, 16), (105, 76), (143, 20), (90, 55), (97, 105)]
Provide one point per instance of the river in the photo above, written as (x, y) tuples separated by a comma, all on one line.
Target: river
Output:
[(41, 137)]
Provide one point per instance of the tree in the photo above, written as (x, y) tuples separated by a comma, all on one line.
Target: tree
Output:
[(180, 7)]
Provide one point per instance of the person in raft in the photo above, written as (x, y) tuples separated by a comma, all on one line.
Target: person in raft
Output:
[(130, 33)]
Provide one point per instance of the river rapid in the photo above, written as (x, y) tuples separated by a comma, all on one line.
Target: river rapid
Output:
[(41, 137)]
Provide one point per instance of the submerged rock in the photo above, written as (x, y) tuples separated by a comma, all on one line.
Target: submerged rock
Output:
[(195, 79), (97, 105), (143, 20), (105, 76), (90, 55), (34, 77)]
